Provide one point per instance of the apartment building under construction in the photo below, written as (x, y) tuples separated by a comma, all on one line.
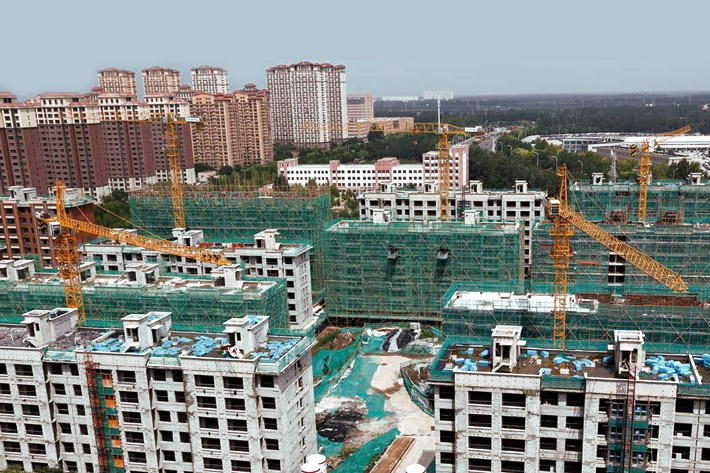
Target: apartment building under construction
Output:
[(141, 397), (505, 404)]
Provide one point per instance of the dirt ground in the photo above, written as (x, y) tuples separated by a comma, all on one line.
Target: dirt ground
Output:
[(348, 426), (341, 340), (411, 421)]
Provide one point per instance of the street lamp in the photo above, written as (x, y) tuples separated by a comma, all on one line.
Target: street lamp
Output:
[(511, 148), (581, 164), (555, 161), (673, 174), (537, 159)]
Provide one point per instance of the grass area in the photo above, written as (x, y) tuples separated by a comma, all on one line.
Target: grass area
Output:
[(326, 339), (428, 332)]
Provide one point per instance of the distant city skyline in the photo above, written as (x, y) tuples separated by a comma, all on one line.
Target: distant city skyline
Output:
[(389, 48)]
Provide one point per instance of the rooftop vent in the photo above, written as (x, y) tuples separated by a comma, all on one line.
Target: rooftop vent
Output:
[(246, 334), (45, 326), (505, 347), (146, 330)]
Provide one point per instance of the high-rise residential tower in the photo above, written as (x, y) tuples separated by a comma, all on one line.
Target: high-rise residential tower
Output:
[(308, 103), (210, 79), (96, 142), (160, 80), (236, 130), (118, 81), (253, 126)]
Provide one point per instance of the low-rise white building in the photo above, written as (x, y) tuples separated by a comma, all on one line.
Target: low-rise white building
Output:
[(368, 176), (512, 406), (265, 257), (516, 205), (143, 398)]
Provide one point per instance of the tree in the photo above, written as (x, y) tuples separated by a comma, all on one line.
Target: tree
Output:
[(374, 135), (226, 170), (281, 183), (115, 211), (202, 167), (282, 151), (350, 208)]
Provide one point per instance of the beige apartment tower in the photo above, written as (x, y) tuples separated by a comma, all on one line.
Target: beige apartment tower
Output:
[(210, 79), (160, 80), (237, 128), (118, 81), (308, 103), (255, 145), (213, 142)]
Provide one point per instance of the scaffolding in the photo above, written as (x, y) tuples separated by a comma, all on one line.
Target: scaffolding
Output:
[(401, 270), (202, 309), (102, 401), (683, 248), (228, 215), (619, 202), (670, 321)]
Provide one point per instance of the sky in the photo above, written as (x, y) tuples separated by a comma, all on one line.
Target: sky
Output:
[(389, 47)]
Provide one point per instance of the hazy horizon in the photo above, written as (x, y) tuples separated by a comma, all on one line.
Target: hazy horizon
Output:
[(389, 48)]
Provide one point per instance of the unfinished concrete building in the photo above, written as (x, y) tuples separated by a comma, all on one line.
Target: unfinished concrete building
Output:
[(225, 214), (505, 405), (667, 202), (517, 205), (684, 248), (669, 322), (143, 398), (385, 270), (197, 303), (266, 257)]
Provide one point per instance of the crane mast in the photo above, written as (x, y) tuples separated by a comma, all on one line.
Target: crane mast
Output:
[(564, 219), (645, 165), (172, 145)]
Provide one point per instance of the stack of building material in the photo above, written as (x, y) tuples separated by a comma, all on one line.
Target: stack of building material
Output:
[(670, 369)]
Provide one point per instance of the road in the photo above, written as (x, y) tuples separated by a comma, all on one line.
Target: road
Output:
[(488, 143)]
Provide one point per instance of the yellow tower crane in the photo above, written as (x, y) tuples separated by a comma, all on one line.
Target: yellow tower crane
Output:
[(645, 164), (64, 228), (442, 130), (564, 219)]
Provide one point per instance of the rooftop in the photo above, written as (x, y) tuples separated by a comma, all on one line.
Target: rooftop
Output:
[(162, 284), (291, 248), (346, 226), (113, 69), (509, 301), (211, 68), (532, 362), (160, 68), (268, 351), (469, 355)]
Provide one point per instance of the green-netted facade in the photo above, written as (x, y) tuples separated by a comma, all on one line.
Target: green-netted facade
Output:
[(683, 248), (401, 270), (667, 324), (228, 215), (600, 203), (202, 309)]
